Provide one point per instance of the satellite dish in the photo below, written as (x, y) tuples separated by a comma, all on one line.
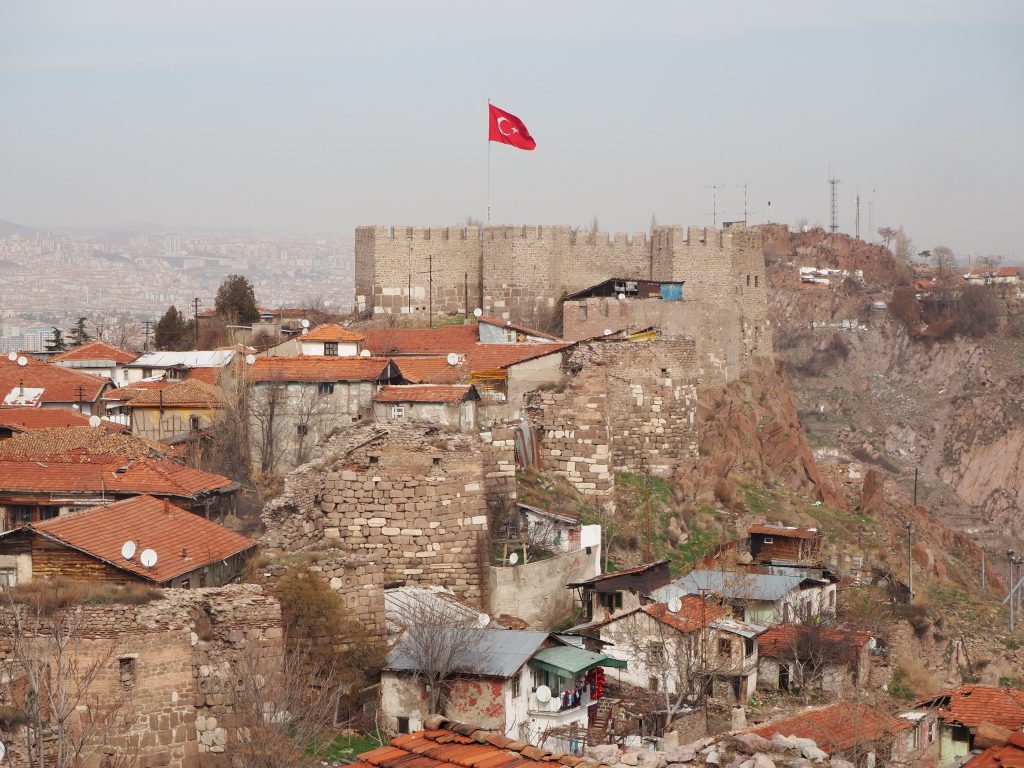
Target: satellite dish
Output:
[(148, 558), (622, 297), (13, 357), (477, 312), (250, 359), (3, 752), (128, 550), (607, 331), (305, 323), (366, 353), (513, 558), (453, 359), (305, 331), (22, 361), (95, 421), (675, 605), (543, 694)]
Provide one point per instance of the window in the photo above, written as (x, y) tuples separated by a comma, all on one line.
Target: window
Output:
[(325, 388), (756, 281), (126, 669), (186, 584), (373, 459), (303, 429), (331, 350), (931, 732), (436, 461), (748, 646), (609, 600), (21, 514), (8, 578), (748, 281), (724, 647), (768, 540), (202, 580), (652, 684), (515, 687), (193, 423), (397, 411), (656, 652), (403, 722)]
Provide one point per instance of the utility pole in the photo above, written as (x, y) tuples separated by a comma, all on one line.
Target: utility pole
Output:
[(430, 286), (145, 342), (195, 315), (466, 296), (910, 559), (834, 183)]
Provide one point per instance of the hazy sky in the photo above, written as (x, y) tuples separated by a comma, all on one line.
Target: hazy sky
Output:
[(318, 116)]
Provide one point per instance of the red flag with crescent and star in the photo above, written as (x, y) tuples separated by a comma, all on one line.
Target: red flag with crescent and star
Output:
[(506, 128)]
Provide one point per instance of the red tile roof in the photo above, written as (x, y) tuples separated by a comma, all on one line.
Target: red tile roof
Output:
[(331, 332), (994, 272), (316, 368), (783, 531), (422, 341), (447, 744), (22, 419), (486, 357), (77, 442), (694, 613), (1011, 755), (424, 393), (187, 393), (96, 350), (433, 369), (783, 640), (970, 705), (182, 540), (59, 385), (72, 474), (127, 392), (209, 376), (514, 326), (837, 727)]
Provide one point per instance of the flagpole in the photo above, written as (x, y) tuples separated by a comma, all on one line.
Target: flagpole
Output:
[(488, 162)]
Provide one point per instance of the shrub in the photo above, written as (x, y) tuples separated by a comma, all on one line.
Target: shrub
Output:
[(50, 596), (978, 311), (904, 308)]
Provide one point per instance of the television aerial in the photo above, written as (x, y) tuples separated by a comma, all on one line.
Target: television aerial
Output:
[(250, 359), (675, 605), (13, 357), (148, 558), (128, 550), (22, 361), (95, 421), (453, 359), (513, 558), (305, 323), (477, 312), (543, 694)]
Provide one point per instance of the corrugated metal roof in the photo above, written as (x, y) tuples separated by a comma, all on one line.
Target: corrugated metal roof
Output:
[(216, 358), (573, 660), (730, 584), (498, 653), (742, 628)]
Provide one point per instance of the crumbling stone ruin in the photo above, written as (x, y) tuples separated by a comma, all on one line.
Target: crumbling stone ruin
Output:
[(413, 495)]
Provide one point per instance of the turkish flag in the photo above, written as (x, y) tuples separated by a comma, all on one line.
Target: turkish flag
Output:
[(506, 128)]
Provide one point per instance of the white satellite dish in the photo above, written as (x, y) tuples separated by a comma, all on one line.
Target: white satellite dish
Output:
[(366, 353), (513, 558), (607, 331), (305, 331), (453, 359), (675, 605), (148, 558), (543, 694), (477, 312), (305, 323), (250, 359), (22, 361), (622, 297), (3, 752), (13, 357), (128, 550), (95, 421)]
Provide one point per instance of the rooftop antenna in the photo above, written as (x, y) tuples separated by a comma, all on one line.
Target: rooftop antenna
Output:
[(834, 184), (714, 204)]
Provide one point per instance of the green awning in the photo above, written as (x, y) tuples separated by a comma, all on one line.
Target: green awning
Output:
[(569, 661)]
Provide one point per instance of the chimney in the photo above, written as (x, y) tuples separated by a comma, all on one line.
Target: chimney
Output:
[(167, 506)]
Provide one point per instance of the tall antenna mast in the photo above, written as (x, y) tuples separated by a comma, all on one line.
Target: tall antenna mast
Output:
[(857, 219), (714, 204), (834, 183)]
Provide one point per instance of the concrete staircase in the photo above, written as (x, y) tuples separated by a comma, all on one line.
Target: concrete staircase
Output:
[(598, 732)]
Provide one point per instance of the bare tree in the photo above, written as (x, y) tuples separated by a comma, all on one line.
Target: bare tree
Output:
[(62, 685), (943, 259), (438, 643), (887, 235), (815, 650), (904, 246)]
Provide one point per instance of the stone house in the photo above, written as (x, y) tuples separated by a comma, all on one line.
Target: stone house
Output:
[(32, 491), (960, 711), (90, 545), (330, 340), (453, 406), (174, 411), (97, 359), (614, 594), (296, 402), (522, 683), (759, 598), (830, 659), (676, 649)]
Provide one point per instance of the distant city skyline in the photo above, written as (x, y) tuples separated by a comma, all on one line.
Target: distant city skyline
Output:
[(315, 117)]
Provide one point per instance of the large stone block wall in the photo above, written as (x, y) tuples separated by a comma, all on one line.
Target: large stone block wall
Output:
[(499, 452), (412, 494)]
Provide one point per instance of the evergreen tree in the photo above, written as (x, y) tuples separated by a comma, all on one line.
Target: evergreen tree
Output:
[(56, 342), (236, 301), (78, 335), (172, 332)]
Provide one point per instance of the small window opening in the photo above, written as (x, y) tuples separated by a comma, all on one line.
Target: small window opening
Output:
[(193, 423), (403, 724), (303, 429), (126, 669)]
